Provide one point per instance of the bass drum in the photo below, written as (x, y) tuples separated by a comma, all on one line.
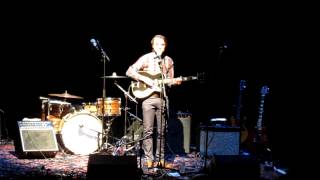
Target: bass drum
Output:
[(81, 133)]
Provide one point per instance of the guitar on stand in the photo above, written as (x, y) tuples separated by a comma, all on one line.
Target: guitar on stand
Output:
[(237, 120), (260, 139)]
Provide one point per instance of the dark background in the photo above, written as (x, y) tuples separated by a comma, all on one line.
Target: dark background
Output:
[(46, 49)]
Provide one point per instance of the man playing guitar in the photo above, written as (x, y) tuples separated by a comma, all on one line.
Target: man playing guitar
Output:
[(152, 70)]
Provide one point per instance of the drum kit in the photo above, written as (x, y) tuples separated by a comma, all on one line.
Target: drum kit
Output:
[(82, 130)]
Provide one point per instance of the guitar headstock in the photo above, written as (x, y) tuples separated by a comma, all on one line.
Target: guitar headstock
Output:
[(243, 85), (264, 90), (200, 76)]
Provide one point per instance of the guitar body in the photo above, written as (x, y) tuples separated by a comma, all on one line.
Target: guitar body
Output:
[(259, 136), (141, 90), (244, 134), (237, 120)]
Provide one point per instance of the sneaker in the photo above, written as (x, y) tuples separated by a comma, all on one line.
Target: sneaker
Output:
[(164, 164), (149, 164)]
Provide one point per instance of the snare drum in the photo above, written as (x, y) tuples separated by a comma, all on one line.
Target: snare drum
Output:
[(112, 106)]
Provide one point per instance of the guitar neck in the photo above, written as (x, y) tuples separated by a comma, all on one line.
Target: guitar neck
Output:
[(158, 77), (238, 110), (140, 90), (239, 105), (259, 126), (260, 116), (170, 80)]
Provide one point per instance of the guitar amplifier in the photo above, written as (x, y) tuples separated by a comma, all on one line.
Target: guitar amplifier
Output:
[(185, 119), (219, 140), (37, 136)]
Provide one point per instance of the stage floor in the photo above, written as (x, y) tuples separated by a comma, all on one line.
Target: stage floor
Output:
[(67, 166), (63, 165)]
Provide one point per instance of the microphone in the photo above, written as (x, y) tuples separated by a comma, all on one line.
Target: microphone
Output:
[(95, 44), (43, 98), (158, 58)]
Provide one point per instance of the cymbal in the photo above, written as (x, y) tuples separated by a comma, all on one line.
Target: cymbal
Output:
[(58, 102), (114, 76), (66, 95)]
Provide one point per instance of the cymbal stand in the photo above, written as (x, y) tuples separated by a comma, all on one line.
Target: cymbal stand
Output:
[(133, 125), (126, 105)]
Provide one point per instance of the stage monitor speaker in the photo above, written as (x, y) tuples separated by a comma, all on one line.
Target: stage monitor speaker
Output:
[(222, 140), (235, 167), (102, 166), (37, 137)]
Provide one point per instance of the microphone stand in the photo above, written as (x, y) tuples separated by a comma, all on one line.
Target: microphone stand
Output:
[(162, 126), (104, 57)]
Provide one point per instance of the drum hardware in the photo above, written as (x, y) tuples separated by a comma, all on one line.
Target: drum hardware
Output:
[(114, 76), (126, 93), (126, 106), (65, 95), (128, 144), (59, 108), (44, 101), (106, 146), (53, 107), (134, 116)]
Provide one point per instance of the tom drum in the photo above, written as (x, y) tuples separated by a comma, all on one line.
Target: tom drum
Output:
[(58, 108)]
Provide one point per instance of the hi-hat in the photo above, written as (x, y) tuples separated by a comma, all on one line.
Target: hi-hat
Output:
[(114, 76), (66, 95)]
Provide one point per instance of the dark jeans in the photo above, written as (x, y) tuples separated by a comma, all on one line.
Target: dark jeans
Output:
[(151, 108)]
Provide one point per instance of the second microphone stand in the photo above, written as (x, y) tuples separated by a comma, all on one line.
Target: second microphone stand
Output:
[(163, 97)]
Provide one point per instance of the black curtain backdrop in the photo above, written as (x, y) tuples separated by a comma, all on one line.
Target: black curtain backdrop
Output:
[(47, 50)]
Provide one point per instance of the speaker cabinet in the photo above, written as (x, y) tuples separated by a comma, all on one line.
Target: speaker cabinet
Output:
[(103, 166), (185, 120), (37, 138), (179, 130), (219, 140)]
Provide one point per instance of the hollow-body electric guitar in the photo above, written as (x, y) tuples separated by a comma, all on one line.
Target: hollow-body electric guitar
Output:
[(261, 136), (141, 90), (237, 120)]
